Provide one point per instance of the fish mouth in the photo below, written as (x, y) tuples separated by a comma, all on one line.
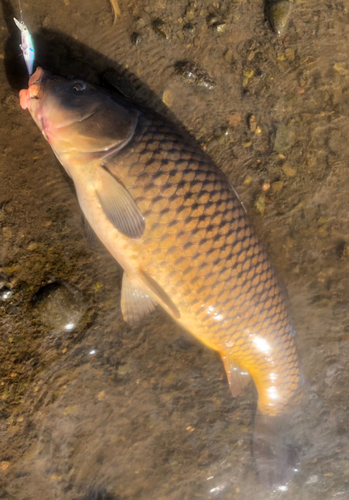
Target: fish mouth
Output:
[(34, 90)]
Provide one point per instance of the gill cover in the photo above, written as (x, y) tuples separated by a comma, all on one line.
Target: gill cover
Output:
[(77, 117)]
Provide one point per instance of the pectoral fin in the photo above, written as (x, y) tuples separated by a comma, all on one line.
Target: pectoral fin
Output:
[(90, 234), (136, 304), (238, 378), (118, 204)]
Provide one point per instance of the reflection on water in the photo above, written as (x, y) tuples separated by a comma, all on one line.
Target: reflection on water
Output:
[(91, 408)]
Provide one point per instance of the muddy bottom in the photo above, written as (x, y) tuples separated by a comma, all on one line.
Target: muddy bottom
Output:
[(93, 409)]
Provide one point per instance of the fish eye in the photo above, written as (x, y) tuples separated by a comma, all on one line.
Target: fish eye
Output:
[(79, 86)]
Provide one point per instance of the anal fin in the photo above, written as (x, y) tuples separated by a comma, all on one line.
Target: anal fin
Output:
[(238, 378), (136, 304)]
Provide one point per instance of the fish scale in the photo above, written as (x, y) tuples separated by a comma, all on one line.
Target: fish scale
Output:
[(200, 247)]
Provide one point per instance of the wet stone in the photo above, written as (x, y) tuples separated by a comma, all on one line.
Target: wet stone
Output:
[(160, 28), (123, 369), (216, 25), (32, 246), (59, 306), (278, 14), (188, 28), (288, 170), (136, 38), (252, 123), (246, 143), (260, 203), (277, 186), (219, 137), (194, 74), (5, 293), (290, 54), (285, 139), (5, 288), (7, 233), (228, 56)]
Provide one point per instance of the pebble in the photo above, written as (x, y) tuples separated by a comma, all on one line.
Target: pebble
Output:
[(160, 28), (288, 170), (188, 27), (136, 38), (32, 246), (228, 56), (218, 27), (290, 54), (194, 74), (59, 306), (247, 143), (248, 73), (7, 233), (252, 123), (168, 97), (260, 203), (285, 138), (341, 69), (278, 13), (235, 119), (266, 186), (123, 369), (5, 293), (277, 186), (101, 396)]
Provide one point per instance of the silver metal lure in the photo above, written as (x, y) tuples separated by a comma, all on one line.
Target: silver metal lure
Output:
[(27, 45)]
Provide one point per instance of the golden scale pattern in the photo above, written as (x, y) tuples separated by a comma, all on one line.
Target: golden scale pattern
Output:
[(199, 245)]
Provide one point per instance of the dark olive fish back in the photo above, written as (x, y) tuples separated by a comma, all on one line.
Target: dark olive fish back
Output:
[(199, 246)]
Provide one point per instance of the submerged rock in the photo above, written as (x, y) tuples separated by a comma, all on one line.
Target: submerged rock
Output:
[(5, 287), (194, 74), (278, 13), (5, 293), (59, 306), (285, 138), (161, 29), (136, 38)]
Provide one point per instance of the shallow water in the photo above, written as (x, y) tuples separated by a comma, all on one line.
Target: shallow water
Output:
[(106, 411)]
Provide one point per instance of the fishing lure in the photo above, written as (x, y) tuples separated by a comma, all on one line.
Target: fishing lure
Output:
[(27, 45)]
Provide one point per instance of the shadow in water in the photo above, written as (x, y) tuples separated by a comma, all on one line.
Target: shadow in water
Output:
[(98, 494), (63, 55)]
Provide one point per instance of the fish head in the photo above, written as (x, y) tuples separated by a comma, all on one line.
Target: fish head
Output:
[(75, 117)]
